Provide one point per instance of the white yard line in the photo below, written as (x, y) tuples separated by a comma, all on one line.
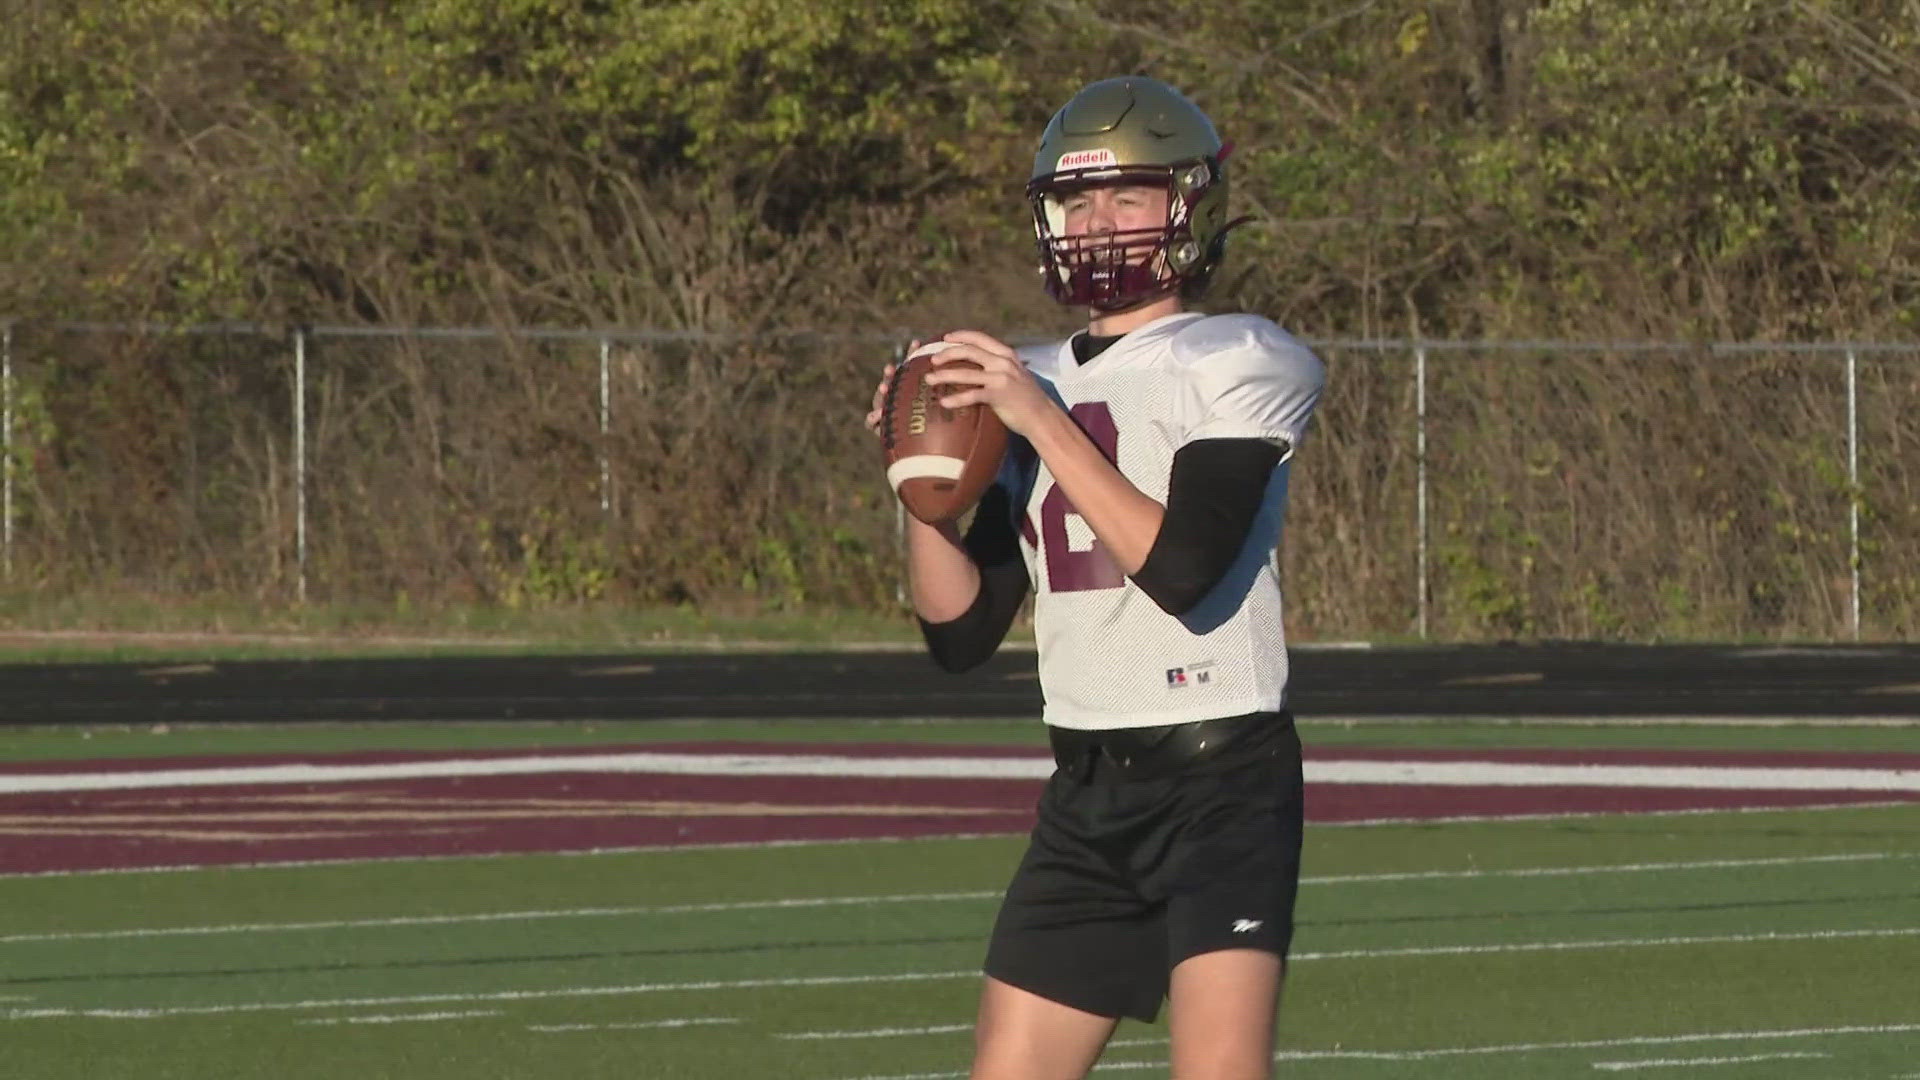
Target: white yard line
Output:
[(1681, 1063), (643, 762), (639, 1025), (1686, 777), (1640, 1040), (797, 903), (1621, 868), (1605, 943), (501, 995), (573, 853), (1506, 1048), (502, 916), (924, 976), (1335, 723), (876, 1033), (401, 1018), (1699, 811), (1435, 773)]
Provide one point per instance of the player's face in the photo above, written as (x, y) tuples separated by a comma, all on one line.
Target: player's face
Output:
[(1108, 240), (1114, 208)]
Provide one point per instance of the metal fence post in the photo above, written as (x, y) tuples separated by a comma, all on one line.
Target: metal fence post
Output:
[(300, 459), (606, 426), (1853, 483), (6, 444), (1420, 458)]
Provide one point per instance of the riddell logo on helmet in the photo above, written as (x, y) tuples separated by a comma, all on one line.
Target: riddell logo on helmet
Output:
[(1086, 159)]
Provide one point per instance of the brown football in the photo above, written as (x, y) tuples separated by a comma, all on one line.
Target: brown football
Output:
[(939, 461)]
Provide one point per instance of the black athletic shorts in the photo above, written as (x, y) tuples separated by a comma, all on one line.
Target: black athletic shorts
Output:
[(1124, 877)]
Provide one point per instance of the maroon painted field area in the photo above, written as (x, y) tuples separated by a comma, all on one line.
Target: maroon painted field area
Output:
[(123, 821)]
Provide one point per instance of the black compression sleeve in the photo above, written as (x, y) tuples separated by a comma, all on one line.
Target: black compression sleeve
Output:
[(1213, 495), (967, 642)]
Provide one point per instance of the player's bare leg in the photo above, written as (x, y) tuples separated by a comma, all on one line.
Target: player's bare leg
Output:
[(1023, 1036), (1221, 1014)]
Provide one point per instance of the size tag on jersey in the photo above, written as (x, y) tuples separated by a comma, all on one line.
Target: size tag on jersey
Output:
[(1180, 678)]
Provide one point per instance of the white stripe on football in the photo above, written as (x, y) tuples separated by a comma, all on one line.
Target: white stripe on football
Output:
[(924, 467)]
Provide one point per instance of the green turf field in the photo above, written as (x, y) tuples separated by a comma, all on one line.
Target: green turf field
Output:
[(1769, 944), (55, 743)]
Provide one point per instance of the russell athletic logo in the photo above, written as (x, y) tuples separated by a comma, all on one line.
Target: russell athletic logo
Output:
[(1179, 677), (1086, 159)]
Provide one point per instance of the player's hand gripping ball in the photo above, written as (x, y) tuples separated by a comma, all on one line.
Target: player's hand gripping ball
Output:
[(939, 460)]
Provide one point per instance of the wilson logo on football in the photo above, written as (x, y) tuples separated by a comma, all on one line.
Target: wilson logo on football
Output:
[(1086, 159)]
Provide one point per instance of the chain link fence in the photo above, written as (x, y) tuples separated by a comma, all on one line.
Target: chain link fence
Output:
[(1486, 491), (1453, 491)]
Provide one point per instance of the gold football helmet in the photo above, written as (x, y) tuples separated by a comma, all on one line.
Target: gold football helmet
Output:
[(1131, 130)]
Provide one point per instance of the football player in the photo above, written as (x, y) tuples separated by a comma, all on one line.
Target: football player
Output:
[(1141, 503)]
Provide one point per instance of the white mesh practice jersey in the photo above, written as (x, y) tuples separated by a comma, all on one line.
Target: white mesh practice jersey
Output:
[(1109, 656)]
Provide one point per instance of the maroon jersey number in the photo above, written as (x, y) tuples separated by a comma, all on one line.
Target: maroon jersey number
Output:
[(1069, 570)]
